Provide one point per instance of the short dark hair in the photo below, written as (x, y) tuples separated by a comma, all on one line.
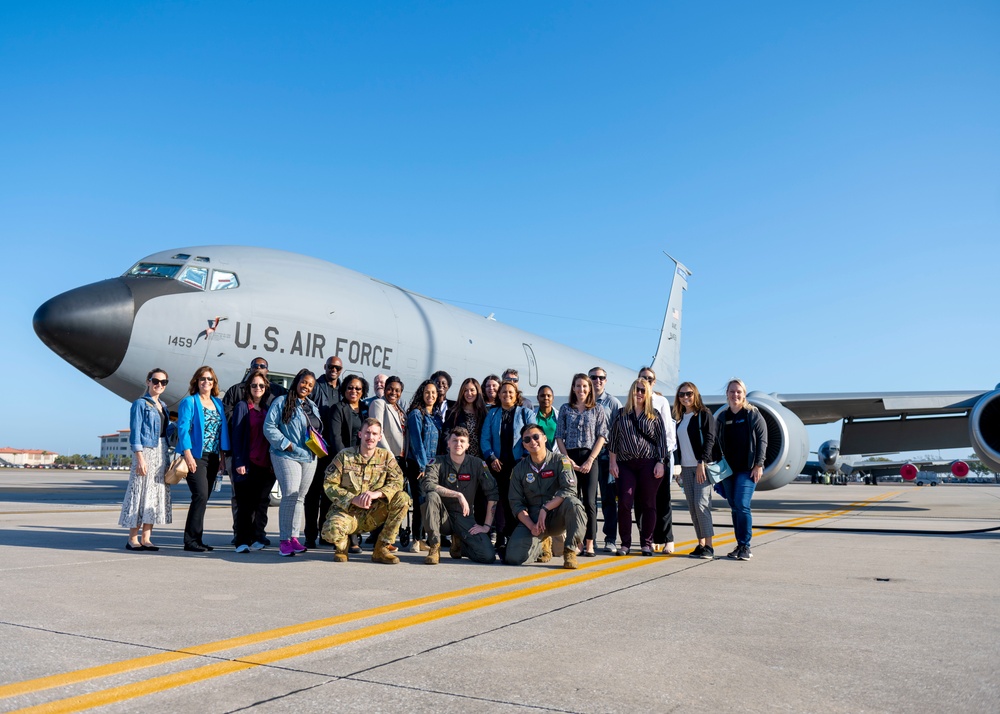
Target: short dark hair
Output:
[(442, 373), (527, 427), (458, 431)]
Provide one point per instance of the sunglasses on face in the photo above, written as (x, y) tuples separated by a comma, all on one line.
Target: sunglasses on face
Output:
[(258, 366), (158, 382), (257, 386), (598, 377), (640, 391), (353, 388), (684, 395), (205, 379), (533, 437), (333, 368)]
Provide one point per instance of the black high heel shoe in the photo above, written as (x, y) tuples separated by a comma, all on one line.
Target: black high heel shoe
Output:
[(129, 546)]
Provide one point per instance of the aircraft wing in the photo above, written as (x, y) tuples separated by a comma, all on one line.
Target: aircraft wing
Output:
[(884, 422), (889, 422)]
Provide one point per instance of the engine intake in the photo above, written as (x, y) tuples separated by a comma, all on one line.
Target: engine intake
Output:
[(984, 429)]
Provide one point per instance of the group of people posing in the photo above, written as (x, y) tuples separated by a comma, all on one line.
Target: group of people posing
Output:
[(488, 470)]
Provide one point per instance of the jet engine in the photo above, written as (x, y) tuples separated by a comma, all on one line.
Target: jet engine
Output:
[(959, 469), (984, 429), (787, 442)]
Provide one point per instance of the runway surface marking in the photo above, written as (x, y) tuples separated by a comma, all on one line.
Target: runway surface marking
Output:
[(268, 657)]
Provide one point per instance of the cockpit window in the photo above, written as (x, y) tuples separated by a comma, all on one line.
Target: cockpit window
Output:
[(221, 280), (153, 270), (197, 277)]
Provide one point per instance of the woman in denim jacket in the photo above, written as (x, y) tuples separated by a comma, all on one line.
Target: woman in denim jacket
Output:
[(287, 429), (147, 497), (423, 428)]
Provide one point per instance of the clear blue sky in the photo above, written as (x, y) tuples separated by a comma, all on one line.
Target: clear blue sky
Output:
[(829, 172)]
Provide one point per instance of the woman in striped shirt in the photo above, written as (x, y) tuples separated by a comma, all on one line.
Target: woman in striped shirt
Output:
[(639, 452)]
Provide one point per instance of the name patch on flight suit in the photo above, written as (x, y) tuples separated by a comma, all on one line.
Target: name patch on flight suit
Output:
[(547, 474), (465, 477)]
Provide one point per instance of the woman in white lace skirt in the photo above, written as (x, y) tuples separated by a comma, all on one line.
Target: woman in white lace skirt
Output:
[(147, 497)]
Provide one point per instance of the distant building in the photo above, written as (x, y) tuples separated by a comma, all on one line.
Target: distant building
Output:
[(27, 457), (116, 444)]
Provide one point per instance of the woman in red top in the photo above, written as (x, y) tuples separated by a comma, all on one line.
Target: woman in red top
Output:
[(252, 472)]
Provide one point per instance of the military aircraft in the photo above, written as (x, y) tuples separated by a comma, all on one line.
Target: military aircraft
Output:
[(222, 305), (832, 461)]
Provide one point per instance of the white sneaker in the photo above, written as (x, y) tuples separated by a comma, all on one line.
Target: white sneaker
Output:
[(257, 545), (610, 547), (243, 548), (414, 546)]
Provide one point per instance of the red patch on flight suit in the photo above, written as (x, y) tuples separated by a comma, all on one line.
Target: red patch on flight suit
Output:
[(547, 474), (465, 477)]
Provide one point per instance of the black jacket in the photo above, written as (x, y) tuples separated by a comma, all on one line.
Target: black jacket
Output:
[(701, 432), (758, 440)]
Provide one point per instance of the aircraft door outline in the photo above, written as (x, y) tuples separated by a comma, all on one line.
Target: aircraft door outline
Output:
[(532, 365)]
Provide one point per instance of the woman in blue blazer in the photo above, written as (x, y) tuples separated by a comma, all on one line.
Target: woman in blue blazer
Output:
[(202, 436)]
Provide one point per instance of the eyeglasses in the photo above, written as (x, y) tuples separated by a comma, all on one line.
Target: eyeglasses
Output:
[(511, 379), (533, 437), (205, 379), (257, 386), (598, 377), (333, 367), (685, 395), (640, 391), (353, 388), (158, 382), (259, 365)]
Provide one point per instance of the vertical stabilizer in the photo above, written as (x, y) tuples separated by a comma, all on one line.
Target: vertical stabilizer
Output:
[(667, 360)]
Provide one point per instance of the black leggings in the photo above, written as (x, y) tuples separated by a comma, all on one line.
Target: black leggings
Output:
[(587, 488)]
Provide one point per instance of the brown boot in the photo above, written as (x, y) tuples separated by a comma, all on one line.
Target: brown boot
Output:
[(546, 554), (382, 554), (433, 555), (341, 555), (456, 547), (569, 559)]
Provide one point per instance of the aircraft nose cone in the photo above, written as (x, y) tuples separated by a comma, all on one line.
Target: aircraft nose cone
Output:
[(89, 327)]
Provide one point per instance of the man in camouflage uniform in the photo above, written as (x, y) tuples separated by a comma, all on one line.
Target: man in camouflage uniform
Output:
[(543, 499), (365, 485), (449, 485)]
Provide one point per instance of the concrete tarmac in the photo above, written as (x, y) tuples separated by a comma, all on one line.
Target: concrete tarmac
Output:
[(903, 620)]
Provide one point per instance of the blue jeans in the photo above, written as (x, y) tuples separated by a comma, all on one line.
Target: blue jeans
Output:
[(739, 490)]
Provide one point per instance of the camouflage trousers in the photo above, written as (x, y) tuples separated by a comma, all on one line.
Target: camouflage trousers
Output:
[(448, 519), (522, 547), (388, 514)]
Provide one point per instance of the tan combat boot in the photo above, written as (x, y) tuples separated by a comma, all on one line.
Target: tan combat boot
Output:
[(456, 547), (433, 555), (569, 559), (546, 554), (341, 555), (382, 554)]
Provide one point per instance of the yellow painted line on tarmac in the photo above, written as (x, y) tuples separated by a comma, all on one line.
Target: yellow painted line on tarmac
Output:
[(106, 670), (198, 674), (190, 676)]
